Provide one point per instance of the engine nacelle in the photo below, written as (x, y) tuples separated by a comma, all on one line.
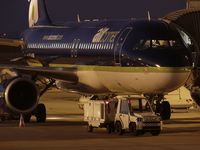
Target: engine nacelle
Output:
[(20, 94)]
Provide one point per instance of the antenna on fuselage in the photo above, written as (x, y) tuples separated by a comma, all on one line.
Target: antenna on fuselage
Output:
[(78, 18), (149, 16)]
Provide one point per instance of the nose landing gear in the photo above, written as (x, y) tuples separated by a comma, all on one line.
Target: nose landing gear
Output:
[(160, 106), (164, 109)]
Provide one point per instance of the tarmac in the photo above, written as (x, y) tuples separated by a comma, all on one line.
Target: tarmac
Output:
[(65, 129)]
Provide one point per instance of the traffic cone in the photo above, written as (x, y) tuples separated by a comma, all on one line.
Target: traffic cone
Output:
[(21, 121)]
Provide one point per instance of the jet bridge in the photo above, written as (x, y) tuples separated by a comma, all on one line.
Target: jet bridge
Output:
[(188, 22)]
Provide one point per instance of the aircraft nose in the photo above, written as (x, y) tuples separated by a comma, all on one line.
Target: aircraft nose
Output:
[(172, 58), (159, 58)]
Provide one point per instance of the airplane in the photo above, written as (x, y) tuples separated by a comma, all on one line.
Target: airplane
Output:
[(103, 58)]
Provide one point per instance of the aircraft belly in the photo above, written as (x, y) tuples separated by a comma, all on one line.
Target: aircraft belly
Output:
[(133, 82)]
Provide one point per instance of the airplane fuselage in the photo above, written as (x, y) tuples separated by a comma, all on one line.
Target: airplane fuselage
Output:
[(113, 56), (99, 58)]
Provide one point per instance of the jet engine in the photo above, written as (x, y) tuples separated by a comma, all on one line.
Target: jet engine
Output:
[(20, 94)]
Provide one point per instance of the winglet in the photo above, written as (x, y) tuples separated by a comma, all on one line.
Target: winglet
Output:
[(38, 14), (12, 42)]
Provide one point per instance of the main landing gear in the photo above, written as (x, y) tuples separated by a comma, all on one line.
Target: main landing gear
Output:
[(165, 110), (39, 113), (40, 110)]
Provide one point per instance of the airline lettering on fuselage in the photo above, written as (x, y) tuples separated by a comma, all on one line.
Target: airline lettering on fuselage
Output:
[(103, 35), (52, 37)]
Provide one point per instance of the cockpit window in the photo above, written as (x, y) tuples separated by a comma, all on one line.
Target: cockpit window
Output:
[(153, 36), (154, 43)]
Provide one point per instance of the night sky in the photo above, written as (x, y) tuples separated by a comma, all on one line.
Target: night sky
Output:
[(13, 13)]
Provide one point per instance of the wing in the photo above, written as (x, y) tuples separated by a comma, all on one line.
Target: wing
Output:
[(12, 42), (67, 74), (10, 49)]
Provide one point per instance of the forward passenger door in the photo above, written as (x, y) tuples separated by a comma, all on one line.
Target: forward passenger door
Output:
[(120, 42)]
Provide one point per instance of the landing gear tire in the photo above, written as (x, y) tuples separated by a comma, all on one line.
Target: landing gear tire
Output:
[(165, 110), (2, 119), (27, 118), (110, 128), (40, 113), (118, 128), (155, 133), (90, 128), (132, 129)]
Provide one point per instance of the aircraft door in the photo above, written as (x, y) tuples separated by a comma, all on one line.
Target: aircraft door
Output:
[(120, 42), (74, 50)]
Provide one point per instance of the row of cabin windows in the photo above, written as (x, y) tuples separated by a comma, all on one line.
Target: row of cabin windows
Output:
[(71, 46)]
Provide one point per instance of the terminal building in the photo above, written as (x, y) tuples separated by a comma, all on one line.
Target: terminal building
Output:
[(191, 4)]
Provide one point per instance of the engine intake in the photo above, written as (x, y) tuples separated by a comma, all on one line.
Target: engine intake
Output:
[(21, 95)]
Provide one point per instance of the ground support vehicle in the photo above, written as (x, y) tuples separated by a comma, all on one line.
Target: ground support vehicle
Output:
[(124, 114)]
